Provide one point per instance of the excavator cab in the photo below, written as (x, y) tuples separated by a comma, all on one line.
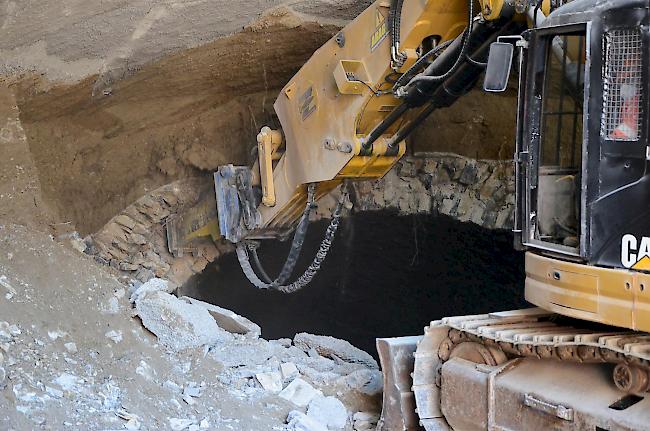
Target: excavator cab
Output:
[(582, 159)]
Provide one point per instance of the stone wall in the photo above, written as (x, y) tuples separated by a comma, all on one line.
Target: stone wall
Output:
[(477, 191), (469, 190)]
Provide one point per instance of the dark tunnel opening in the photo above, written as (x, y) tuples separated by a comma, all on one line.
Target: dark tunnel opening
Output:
[(386, 275)]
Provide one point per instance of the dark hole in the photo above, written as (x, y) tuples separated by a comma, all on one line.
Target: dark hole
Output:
[(386, 275), (601, 429), (625, 402)]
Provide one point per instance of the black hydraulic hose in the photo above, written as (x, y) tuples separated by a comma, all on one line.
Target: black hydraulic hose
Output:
[(314, 267), (406, 76), (379, 130), (296, 244), (457, 85), (461, 55), (395, 20)]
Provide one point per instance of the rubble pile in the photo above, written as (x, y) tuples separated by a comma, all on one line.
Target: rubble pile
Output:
[(115, 356)]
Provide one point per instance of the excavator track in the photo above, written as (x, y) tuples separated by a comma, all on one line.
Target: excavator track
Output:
[(496, 339)]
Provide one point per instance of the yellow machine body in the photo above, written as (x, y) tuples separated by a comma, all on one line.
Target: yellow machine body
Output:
[(610, 296)]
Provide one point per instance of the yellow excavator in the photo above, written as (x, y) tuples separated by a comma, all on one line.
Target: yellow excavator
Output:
[(581, 359)]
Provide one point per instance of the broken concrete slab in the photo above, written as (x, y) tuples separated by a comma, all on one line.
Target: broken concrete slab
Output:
[(334, 348), (152, 285), (271, 381), (289, 371), (298, 421), (228, 320), (368, 382), (300, 393), (177, 324), (328, 411)]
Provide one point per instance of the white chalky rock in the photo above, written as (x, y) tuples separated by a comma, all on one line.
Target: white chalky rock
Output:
[(365, 416), (329, 411), (300, 393), (364, 421), (153, 285), (228, 320), (177, 324), (53, 392), (289, 371), (54, 335), (298, 421), (145, 370), (115, 336), (68, 382), (369, 382), (179, 424), (70, 347), (271, 382)]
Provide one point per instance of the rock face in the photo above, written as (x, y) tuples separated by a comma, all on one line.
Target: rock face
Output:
[(135, 241)]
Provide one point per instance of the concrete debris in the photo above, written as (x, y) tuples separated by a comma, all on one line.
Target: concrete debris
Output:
[(300, 392), (68, 382), (145, 370), (228, 320), (363, 421), (172, 387), (177, 324), (56, 334), (328, 411), (334, 348), (298, 421), (114, 336), (192, 390), (70, 347), (368, 382), (4, 282), (289, 371), (271, 382), (177, 424), (53, 392), (153, 285)]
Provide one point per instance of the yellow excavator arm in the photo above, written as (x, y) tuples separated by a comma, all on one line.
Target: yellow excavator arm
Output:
[(346, 113)]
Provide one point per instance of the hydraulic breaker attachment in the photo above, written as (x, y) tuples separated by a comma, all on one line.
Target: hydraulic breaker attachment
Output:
[(236, 203), (198, 221), (225, 208)]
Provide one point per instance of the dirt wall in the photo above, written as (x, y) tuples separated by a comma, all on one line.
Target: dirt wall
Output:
[(177, 117)]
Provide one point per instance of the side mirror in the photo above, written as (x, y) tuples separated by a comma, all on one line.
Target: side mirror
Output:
[(498, 67)]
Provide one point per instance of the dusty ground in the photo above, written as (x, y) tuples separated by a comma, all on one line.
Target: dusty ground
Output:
[(74, 356)]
